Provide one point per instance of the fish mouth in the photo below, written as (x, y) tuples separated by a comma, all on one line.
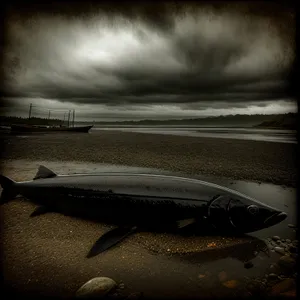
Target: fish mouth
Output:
[(275, 219)]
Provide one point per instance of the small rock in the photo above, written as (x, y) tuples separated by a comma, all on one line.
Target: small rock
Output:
[(293, 249), (134, 296), (291, 293), (283, 286), (279, 250), (256, 287), (222, 276), (248, 265), (96, 287), (288, 240), (292, 226), (200, 276), (275, 238), (121, 286), (287, 262), (231, 284), (272, 276), (272, 267)]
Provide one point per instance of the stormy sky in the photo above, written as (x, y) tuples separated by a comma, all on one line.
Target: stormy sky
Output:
[(149, 61)]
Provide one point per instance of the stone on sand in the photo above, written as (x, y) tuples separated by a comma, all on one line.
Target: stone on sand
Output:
[(283, 286), (96, 287), (287, 262), (279, 250)]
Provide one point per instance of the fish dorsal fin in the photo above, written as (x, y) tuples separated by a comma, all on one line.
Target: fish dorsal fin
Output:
[(44, 172)]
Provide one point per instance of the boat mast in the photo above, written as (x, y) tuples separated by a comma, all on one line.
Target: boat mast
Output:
[(69, 118), (30, 107)]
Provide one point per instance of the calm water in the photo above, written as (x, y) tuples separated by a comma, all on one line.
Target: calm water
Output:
[(270, 135)]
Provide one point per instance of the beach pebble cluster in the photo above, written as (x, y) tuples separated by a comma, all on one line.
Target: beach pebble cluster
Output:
[(280, 278), (282, 246)]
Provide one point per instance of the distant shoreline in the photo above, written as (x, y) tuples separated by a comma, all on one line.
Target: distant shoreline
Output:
[(224, 121)]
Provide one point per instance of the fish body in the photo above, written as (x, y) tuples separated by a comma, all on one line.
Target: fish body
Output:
[(136, 200)]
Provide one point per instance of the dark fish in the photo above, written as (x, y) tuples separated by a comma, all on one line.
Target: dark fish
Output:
[(135, 201)]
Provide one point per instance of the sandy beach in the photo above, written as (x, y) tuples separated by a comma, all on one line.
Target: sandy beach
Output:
[(46, 255), (236, 159)]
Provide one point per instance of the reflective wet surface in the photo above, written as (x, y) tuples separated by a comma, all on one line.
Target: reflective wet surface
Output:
[(270, 135), (255, 134)]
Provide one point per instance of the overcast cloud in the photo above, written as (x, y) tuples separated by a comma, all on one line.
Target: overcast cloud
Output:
[(194, 62)]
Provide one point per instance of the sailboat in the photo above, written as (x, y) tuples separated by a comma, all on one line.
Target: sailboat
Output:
[(19, 128)]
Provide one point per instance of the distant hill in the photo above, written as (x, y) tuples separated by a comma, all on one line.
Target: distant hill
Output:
[(229, 121), (288, 121), (280, 120)]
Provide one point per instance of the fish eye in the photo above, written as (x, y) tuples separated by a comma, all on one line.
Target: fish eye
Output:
[(253, 209)]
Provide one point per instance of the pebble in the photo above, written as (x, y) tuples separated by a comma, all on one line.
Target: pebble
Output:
[(287, 262), (279, 250), (293, 249), (291, 293), (275, 238), (121, 286), (272, 267), (283, 286), (248, 265), (222, 276), (134, 296), (272, 276), (96, 287), (292, 226), (288, 240), (231, 284)]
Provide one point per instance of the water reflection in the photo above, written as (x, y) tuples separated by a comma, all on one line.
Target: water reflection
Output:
[(246, 250)]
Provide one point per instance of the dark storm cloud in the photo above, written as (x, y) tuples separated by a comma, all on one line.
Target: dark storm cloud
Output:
[(146, 55)]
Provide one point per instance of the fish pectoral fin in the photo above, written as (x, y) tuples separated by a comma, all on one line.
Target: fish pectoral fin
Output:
[(109, 239), (40, 210), (185, 222)]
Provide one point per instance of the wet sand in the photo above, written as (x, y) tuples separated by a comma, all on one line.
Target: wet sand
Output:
[(236, 159), (45, 256)]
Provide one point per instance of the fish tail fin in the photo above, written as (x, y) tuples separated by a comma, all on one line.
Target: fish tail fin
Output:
[(8, 192)]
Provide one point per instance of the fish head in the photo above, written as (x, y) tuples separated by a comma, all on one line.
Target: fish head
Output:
[(248, 215), (242, 214)]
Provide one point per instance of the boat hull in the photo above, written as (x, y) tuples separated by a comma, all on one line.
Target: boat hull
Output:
[(29, 128)]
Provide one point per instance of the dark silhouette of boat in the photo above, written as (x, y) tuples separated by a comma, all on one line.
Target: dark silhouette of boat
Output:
[(44, 128)]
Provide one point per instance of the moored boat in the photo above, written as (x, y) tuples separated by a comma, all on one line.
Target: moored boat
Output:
[(42, 128)]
